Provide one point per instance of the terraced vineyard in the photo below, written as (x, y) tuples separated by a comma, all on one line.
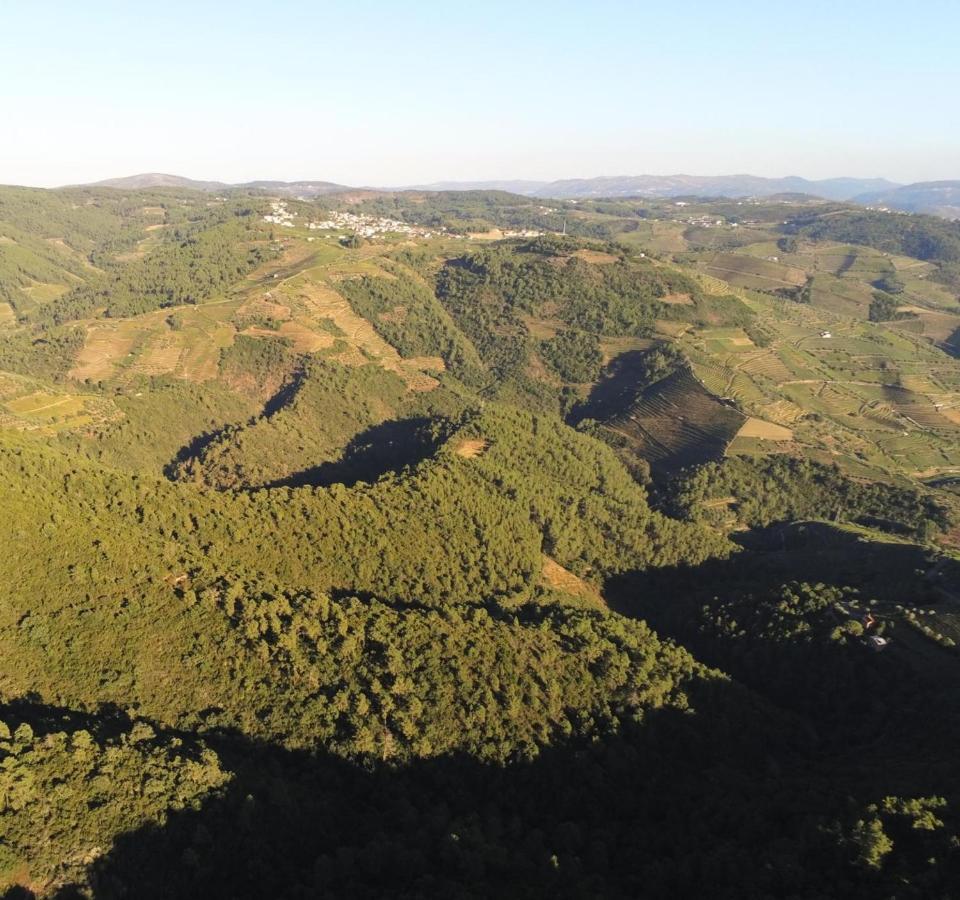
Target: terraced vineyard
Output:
[(677, 422)]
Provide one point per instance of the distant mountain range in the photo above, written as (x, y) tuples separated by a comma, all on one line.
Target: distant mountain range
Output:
[(159, 180), (677, 186), (941, 198)]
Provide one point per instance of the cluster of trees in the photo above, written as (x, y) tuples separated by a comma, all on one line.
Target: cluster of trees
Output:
[(324, 408), (193, 263), (65, 795), (786, 488), (258, 366), (408, 316), (365, 623), (573, 355), (885, 307), (924, 237), (49, 354), (159, 420), (618, 298)]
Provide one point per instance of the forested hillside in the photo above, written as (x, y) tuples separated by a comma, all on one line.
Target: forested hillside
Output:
[(425, 544)]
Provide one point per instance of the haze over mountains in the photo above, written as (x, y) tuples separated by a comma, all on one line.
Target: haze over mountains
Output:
[(160, 180), (940, 198), (680, 185)]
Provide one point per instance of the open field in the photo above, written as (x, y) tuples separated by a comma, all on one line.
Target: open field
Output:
[(24, 407), (749, 272), (765, 431), (295, 292), (556, 576), (470, 448)]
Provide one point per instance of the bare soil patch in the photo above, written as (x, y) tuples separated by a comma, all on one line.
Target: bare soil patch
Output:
[(472, 447), (596, 257), (323, 302), (677, 300), (765, 431), (556, 576), (107, 343)]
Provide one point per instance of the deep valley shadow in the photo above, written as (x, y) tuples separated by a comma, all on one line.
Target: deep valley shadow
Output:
[(388, 447), (850, 694), (619, 387), (655, 809)]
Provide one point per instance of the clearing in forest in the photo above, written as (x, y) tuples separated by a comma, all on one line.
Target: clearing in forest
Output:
[(471, 447), (324, 303), (556, 576)]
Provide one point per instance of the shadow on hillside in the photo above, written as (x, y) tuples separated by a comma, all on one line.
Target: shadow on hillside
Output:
[(679, 805), (195, 447), (615, 392), (850, 693), (801, 551), (388, 447)]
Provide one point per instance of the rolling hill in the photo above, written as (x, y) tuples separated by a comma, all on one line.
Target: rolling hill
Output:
[(280, 188), (939, 198), (338, 529)]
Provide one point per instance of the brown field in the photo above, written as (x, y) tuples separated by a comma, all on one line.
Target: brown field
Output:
[(201, 361), (747, 271), (783, 412), (765, 431), (107, 344), (322, 302), (304, 339), (44, 292), (595, 257), (767, 365), (677, 300), (556, 576), (161, 354), (936, 325), (672, 329), (265, 306), (471, 447), (542, 328), (7, 315)]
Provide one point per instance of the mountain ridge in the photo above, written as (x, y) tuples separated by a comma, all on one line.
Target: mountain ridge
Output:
[(941, 198)]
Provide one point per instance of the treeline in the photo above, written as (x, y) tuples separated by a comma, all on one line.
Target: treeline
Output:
[(924, 237), (48, 354), (786, 488), (323, 408), (86, 219), (407, 315), (192, 264), (488, 294), (67, 793)]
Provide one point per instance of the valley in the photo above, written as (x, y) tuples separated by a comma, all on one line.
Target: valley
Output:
[(476, 543)]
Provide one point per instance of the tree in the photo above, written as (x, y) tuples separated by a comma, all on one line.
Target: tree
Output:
[(787, 244), (871, 842), (890, 283)]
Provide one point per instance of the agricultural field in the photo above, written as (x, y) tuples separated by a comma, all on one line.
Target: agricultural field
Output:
[(677, 422), (27, 406), (293, 298), (746, 271)]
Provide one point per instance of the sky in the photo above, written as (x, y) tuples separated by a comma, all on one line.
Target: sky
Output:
[(388, 93)]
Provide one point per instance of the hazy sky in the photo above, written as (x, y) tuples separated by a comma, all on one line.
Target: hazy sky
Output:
[(390, 93)]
